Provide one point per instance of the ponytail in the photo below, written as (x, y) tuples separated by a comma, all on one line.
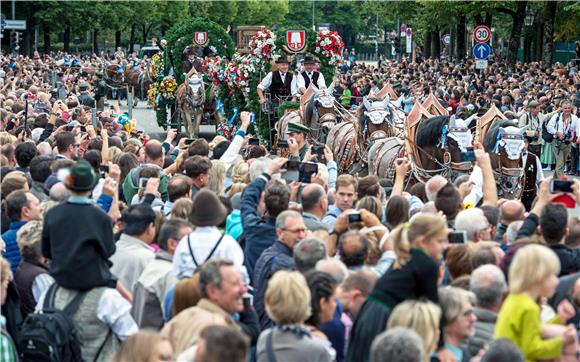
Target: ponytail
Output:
[(404, 235), (401, 244)]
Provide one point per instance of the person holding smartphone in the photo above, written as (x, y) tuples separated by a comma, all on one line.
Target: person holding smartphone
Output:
[(297, 143)]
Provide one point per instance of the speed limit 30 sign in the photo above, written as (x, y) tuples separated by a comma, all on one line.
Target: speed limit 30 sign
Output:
[(481, 34)]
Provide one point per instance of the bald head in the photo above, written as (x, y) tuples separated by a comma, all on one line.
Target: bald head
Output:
[(433, 186), (312, 196), (154, 152), (510, 211), (334, 267), (59, 192)]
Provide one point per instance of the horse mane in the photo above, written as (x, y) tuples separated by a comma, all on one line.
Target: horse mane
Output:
[(429, 131), (491, 136)]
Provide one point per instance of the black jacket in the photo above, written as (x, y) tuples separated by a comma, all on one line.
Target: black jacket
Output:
[(569, 259)]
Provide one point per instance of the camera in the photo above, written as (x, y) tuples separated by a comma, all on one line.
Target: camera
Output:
[(143, 182), (282, 144), (318, 150), (306, 170), (292, 165), (457, 237), (254, 141), (354, 217)]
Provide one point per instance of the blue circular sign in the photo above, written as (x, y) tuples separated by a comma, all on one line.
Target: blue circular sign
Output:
[(481, 50)]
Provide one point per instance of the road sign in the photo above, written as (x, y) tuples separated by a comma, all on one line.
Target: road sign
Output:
[(481, 50), (15, 24), (447, 39), (481, 33), (481, 64)]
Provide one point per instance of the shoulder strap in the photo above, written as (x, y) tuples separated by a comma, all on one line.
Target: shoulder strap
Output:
[(70, 308), (103, 345), (270, 347), (49, 297), (191, 252), (214, 248)]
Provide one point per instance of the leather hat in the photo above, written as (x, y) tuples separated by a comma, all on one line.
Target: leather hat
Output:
[(207, 209), (81, 177)]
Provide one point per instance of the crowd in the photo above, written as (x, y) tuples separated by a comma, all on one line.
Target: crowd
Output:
[(184, 249)]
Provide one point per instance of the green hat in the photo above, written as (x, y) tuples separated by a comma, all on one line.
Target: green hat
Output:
[(83, 86), (81, 177), (309, 59), (297, 128), (282, 59), (99, 74)]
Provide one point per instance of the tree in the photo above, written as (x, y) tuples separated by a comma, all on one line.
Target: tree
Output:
[(550, 18), (517, 21)]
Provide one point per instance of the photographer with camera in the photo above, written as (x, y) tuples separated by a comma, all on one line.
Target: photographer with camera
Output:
[(563, 126), (534, 120)]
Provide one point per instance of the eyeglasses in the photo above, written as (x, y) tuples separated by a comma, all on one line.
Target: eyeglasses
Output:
[(295, 231)]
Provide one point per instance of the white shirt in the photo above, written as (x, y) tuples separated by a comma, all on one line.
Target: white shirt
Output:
[(556, 124), (539, 170), (113, 310), (267, 82), (202, 241), (301, 82), (130, 259)]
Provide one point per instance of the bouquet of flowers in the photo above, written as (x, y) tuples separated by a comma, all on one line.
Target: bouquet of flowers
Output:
[(156, 67), (152, 93), (168, 87), (329, 44), (263, 45), (212, 69)]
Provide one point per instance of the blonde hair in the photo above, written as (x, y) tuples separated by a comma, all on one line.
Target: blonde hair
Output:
[(6, 138), (287, 298), (404, 235), (532, 264), (240, 172), (114, 154), (29, 236), (187, 294), (142, 347), (236, 188), (421, 316), (217, 173), (5, 272), (182, 208)]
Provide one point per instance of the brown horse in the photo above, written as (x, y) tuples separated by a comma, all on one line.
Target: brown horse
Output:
[(320, 113), (190, 99)]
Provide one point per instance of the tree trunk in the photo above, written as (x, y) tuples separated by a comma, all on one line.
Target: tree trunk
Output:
[(550, 17), (117, 39), (427, 50), (132, 38), (144, 33), (488, 19), (95, 41), (460, 45), (539, 41), (514, 42), (435, 44), (66, 39), (46, 35)]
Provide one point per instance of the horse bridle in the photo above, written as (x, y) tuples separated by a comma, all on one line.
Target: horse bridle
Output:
[(508, 178)]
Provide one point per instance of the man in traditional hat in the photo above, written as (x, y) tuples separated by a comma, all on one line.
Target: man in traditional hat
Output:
[(534, 120), (281, 82), (85, 98), (309, 75), (100, 88), (297, 139)]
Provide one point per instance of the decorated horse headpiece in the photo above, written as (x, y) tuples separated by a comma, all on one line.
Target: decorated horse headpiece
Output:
[(324, 98), (512, 140), (377, 111), (195, 83), (458, 130)]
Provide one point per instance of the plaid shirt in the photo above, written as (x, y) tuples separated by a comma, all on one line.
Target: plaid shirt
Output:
[(7, 349)]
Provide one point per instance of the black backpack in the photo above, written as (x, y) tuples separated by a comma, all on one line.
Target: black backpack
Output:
[(547, 136), (50, 335)]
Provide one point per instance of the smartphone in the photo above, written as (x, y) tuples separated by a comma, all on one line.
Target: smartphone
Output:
[(83, 129), (306, 170), (282, 144), (457, 237), (561, 186), (254, 141), (188, 141), (468, 155), (103, 170), (317, 150), (94, 117), (292, 165), (354, 217), (143, 182)]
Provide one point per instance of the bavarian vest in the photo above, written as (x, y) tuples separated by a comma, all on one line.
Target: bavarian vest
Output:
[(279, 88), (315, 76), (24, 278), (92, 332)]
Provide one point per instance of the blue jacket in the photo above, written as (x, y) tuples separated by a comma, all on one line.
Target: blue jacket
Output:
[(277, 257), (12, 252), (234, 226), (259, 233)]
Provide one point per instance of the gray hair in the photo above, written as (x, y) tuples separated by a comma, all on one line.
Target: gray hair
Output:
[(211, 274), (259, 166), (471, 221), (433, 186), (511, 233), (451, 300), (397, 345), (488, 284), (284, 216), (334, 267), (502, 350), (308, 252), (58, 192)]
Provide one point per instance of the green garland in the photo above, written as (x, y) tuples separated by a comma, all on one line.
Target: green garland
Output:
[(181, 35), (287, 105)]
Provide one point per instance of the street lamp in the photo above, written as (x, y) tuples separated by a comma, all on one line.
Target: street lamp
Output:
[(529, 19)]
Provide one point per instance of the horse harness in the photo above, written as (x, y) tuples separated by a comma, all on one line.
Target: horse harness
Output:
[(509, 179)]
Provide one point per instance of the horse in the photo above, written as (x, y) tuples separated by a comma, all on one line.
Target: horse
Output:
[(504, 142), (320, 114), (190, 99), (128, 79), (438, 144)]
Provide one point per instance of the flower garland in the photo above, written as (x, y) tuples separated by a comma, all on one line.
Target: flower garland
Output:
[(329, 44), (212, 69), (157, 66), (263, 45), (152, 94), (168, 87)]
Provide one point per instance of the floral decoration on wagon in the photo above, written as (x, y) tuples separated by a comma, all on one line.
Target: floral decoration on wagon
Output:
[(168, 87), (263, 45), (330, 45)]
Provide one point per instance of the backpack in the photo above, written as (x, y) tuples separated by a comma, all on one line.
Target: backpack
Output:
[(546, 136), (50, 335)]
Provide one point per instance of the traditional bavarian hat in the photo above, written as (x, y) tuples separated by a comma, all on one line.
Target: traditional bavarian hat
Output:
[(99, 74), (309, 59), (282, 60), (83, 86), (297, 128)]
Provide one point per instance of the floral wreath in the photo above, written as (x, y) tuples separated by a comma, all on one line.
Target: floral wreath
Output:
[(263, 45), (212, 68), (329, 44), (167, 88)]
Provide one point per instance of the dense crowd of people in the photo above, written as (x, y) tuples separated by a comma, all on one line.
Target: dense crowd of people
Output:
[(184, 249)]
